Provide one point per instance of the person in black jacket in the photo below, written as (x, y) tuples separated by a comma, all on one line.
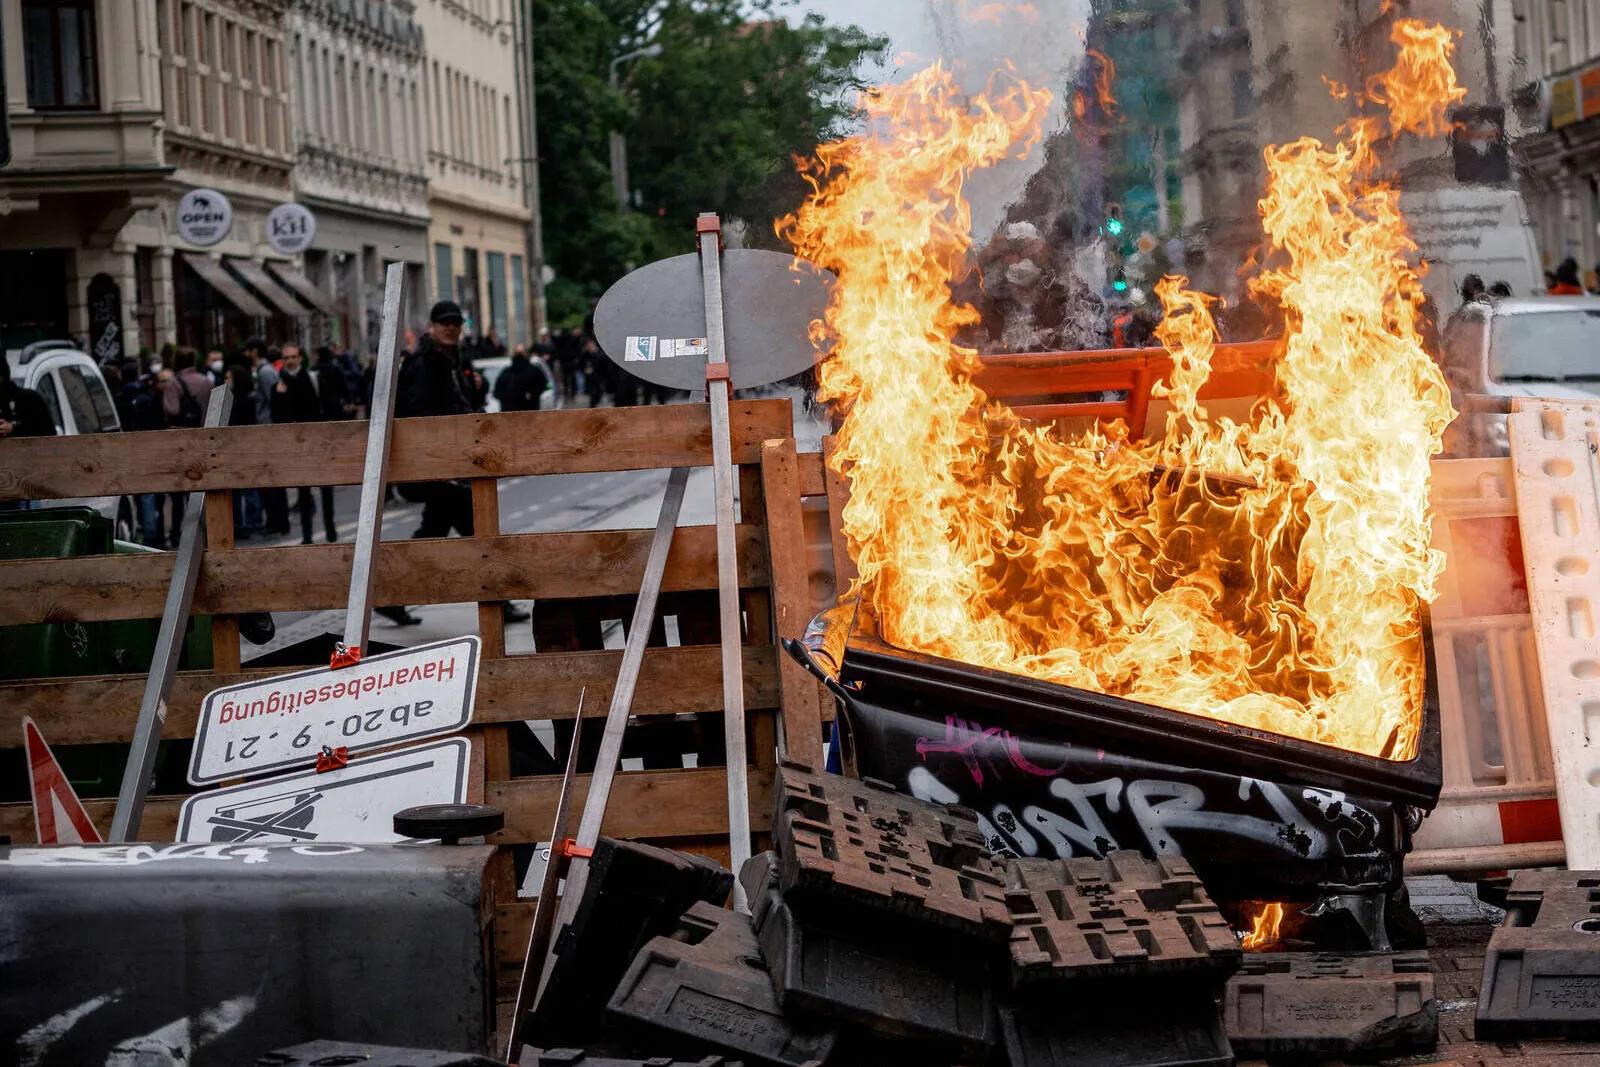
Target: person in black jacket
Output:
[(521, 384), (23, 413), (431, 383), (295, 399)]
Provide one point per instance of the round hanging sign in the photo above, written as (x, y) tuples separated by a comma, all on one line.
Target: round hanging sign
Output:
[(291, 228), (204, 217)]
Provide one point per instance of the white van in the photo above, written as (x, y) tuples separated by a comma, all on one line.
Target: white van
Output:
[(1499, 350), (1472, 229), (79, 401)]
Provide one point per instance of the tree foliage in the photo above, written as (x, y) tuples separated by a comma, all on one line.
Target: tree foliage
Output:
[(712, 124)]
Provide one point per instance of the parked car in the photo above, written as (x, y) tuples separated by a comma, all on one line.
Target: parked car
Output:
[(491, 368), (1494, 352), (80, 402)]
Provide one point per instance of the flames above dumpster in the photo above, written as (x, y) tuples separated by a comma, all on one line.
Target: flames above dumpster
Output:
[(1266, 571)]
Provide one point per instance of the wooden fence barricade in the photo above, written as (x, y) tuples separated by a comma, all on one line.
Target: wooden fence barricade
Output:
[(556, 570)]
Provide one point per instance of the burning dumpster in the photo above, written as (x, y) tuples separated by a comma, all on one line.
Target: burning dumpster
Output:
[(1210, 641)]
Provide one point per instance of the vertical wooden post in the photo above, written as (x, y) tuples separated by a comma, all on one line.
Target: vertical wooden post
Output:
[(224, 628), (495, 742), (786, 549)]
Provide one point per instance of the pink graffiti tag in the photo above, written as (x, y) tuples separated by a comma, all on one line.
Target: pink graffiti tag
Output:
[(975, 745)]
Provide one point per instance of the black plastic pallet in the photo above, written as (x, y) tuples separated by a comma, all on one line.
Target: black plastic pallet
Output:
[(1122, 916), (706, 987), (894, 986), (634, 892), (859, 846), (1541, 974), (361, 1054), (1167, 1022), (1333, 1004)]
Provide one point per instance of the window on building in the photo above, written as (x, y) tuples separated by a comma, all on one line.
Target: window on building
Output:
[(443, 273), (1235, 13), (519, 303), (467, 291), (271, 78), (252, 101), (1244, 101), (58, 41), (496, 264)]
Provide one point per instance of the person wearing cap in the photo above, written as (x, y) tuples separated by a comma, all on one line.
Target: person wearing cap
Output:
[(431, 384)]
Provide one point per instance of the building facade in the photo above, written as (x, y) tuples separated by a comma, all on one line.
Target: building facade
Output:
[(1254, 73), (1557, 92), (117, 109), (478, 237), (360, 165)]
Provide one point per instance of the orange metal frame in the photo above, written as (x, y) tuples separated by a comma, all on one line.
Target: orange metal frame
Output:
[(1037, 383)]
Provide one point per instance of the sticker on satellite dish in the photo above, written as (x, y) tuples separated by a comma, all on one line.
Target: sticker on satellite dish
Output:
[(641, 350), (687, 347), (355, 803)]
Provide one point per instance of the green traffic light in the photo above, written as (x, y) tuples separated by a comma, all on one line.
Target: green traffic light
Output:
[(1120, 286), (1114, 227)]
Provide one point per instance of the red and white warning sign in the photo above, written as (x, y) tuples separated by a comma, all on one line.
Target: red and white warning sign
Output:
[(58, 815), (282, 722)]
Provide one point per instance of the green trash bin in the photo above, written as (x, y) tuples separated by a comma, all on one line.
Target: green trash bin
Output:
[(51, 650)]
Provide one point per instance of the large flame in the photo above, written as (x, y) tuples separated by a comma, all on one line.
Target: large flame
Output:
[(1264, 928), (1267, 573)]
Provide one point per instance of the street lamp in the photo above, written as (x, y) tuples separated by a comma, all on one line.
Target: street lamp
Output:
[(619, 146)]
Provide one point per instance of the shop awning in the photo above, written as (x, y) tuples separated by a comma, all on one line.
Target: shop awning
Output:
[(217, 276), (304, 288), (264, 284)]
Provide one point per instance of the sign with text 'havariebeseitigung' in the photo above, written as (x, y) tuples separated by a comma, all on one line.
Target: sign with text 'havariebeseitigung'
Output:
[(281, 723)]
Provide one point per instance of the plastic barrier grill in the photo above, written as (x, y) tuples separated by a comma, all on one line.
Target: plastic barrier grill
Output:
[(1124, 915), (1541, 975), (892, 985), (635, 892), (1332, 1004), (861, 845), (706, 987), (1166, 1021)]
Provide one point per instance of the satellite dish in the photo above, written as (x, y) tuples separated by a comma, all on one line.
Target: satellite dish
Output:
[(652, 323)]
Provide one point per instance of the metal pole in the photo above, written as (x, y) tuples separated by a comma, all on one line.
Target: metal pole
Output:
[(709, 228), (619, 149), (169, 644), (375, 472), (544, 910), (605, 763)]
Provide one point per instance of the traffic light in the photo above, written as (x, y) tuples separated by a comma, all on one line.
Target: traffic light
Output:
[(1120, 283), (1114, 224)]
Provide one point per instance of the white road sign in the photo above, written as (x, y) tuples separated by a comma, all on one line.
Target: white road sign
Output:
[(204, 217), (353, 804), (291, 228), (283, 722)]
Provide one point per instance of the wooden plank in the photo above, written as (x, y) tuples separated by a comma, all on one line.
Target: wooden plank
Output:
[(332, 453), (844, 567), (486, 523), (813, 475), (101, 708), (643, 804), (312, 577), (791, 602), (219, 538)]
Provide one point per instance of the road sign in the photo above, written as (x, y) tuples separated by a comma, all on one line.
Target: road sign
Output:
[(652, 323), (204, 217), (355, 803), (58, 815), (283, 722)]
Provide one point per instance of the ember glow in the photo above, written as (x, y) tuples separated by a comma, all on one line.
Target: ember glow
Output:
[(1266, 574)]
